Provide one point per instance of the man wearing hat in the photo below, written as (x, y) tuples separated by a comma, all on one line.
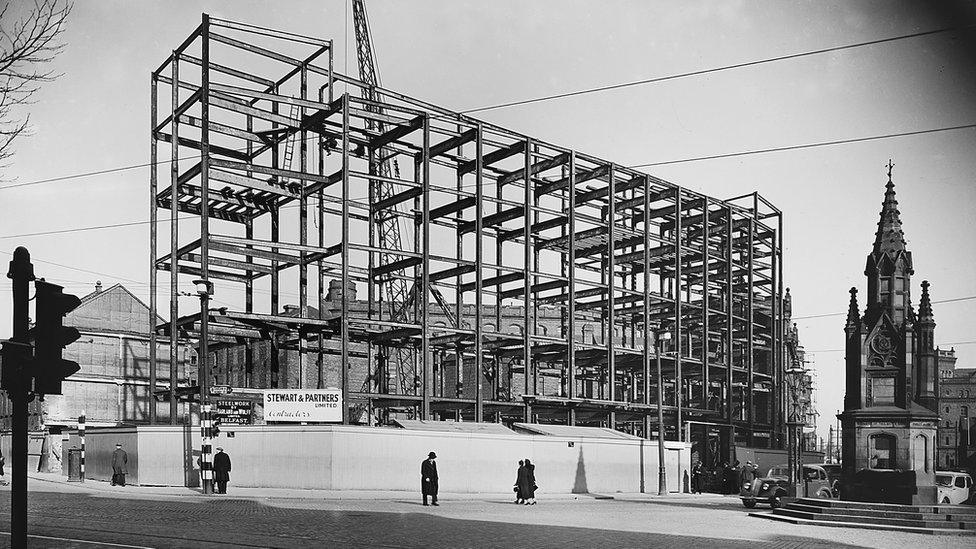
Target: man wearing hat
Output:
[(119, 461), (221, 465), (428, 478), (748, 475)]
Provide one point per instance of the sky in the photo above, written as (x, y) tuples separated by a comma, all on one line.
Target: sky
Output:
[(469, 54)]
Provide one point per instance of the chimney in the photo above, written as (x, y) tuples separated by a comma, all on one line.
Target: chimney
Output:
[(98, 286), (335, 291)]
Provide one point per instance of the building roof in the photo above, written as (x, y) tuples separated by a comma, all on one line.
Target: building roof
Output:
[(570, 431), (454, 426)]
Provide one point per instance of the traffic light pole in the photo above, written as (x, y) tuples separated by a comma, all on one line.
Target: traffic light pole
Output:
[(16, 382)]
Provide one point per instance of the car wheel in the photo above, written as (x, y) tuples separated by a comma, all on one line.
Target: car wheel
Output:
[(945, 501), (776, 502), (749, 503)]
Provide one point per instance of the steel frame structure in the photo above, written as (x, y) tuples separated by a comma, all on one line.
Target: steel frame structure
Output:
[(497, 218)]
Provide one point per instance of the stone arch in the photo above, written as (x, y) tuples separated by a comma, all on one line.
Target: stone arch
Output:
[(882, 450)]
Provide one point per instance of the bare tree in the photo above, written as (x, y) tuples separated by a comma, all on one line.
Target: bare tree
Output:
[(29, 41)]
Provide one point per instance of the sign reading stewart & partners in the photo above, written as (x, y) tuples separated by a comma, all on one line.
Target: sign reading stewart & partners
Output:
[(302, 405)]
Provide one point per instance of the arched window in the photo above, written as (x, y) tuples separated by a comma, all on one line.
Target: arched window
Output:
[(489, 327), (437, 325), (588, 334), (543, 330), (881, 448), (515, 329), (920, 454)]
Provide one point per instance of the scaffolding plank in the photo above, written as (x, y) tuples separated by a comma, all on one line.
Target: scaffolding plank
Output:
[(391, 201), (536, 228), (395, 266), (453, 207), (396, 133), (534, 169), (452, 272), (492, 157), (444, 146), (493, 219)]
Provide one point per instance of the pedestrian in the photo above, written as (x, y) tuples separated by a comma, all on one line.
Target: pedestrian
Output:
[(526, 483), (221, 464), (428, 478), (748, 475), (119, 461), (3, 481), (735, 485), (696, 477), (518, 475), (726, 475)]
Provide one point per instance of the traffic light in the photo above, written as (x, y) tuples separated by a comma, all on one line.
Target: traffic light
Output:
[(51, 337)]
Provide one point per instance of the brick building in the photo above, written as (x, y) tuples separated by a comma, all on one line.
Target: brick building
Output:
[(957, 410), (112, 387)]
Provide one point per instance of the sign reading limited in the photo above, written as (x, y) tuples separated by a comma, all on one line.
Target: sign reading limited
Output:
[(303, 405)]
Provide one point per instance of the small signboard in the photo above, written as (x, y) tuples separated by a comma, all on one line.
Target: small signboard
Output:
[(303, 405), (220, 389), (232, 412)]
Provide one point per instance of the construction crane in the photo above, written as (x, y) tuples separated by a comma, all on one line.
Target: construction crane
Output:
[(396, 359)]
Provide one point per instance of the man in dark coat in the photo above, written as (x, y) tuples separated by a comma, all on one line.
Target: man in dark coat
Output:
[(697, 477), (119, 461), (221, 464), (428, 478)]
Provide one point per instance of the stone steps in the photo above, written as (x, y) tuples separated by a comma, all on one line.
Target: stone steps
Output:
[(909, 515), (957, 520), (869, 526)]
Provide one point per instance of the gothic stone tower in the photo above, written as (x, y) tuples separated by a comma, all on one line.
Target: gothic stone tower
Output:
[(890, 408)]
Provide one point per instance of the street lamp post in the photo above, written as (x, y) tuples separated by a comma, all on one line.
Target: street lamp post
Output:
[(662, 474), (205, 289), (794, 379)]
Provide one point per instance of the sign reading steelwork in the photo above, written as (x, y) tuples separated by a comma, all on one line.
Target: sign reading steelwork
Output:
[(303, 405), (232, 412)]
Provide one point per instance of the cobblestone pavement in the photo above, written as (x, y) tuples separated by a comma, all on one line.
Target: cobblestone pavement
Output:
[(73, 516)]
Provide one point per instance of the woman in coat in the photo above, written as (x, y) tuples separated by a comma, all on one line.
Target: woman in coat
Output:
[(518, 476), (526, 483)]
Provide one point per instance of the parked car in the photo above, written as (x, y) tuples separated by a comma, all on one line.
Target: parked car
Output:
[(772, 488), (833, 476), (954, 487)]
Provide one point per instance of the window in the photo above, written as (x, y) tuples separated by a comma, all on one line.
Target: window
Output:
[(882, 449), (960, 482), (881, 391), (964, 411)]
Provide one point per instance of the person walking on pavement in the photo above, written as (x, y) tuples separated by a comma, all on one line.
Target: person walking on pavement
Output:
[(747, 476), (526, 483), (119, 461), (696, 477), (221, 464), (428, 478), (518, 475)]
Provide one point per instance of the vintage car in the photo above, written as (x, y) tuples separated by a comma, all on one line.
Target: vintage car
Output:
[(833, 476), (954, 487), (772, 488)]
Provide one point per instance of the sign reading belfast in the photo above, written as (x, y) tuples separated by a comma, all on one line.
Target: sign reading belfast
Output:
[(302, 405)]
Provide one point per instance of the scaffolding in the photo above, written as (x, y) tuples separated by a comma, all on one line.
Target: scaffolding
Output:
[(498, 224)]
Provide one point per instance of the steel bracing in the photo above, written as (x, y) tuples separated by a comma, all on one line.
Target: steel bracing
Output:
[(586, 258)]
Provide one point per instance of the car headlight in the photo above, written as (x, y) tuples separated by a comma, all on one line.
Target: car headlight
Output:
[(765, 486)]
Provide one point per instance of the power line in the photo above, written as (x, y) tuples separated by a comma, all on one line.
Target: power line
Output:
[(940, 345), (951, 300), (806, 145), (710, 70)]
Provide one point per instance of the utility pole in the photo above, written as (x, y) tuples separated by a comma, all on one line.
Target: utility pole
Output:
[(16, 356)]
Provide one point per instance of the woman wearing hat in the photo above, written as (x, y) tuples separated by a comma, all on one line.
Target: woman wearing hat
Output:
[(428, 478)]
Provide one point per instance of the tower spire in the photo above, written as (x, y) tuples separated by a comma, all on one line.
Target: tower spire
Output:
[(890, 237), (852, 315), (925, 305)]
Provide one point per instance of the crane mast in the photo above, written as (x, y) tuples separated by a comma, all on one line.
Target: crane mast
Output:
[(394, 363)]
